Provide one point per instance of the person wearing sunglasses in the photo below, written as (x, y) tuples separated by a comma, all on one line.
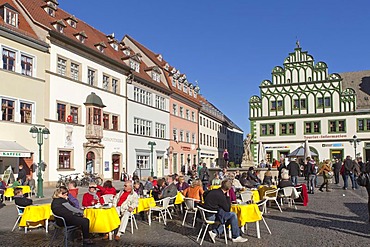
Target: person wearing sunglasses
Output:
[(90, 198), (60, 206)]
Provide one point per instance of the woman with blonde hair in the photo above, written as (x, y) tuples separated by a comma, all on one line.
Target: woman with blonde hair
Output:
[(195, 190), (325, 169), (60, 206)]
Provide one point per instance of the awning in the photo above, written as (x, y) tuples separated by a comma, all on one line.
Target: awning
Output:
[(13, 149)]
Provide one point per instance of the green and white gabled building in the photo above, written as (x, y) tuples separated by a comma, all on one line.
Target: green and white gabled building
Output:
[(303, 101)]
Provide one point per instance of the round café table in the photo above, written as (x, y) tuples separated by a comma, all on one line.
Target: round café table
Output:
[(144, 204), (35, 215), (102, 220), (9, 192)]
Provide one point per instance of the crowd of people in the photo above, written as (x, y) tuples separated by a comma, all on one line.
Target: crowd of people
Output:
[(196, 185)]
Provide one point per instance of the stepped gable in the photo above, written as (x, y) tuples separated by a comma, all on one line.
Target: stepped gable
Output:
[(23, 26)]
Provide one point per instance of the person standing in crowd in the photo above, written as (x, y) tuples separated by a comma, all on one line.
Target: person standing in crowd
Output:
[(311, 173), (125, 202), (349, 172), (219, 200), (204, 176), (226, 157), (366, 169), (336, 167), (2, 190), (72, 216), (293, 169), (124, 175), (90, 198), (20, 199), (361, 164), (22, 174), (325, 169)]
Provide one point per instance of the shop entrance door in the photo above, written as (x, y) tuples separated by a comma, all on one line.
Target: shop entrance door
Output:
[(115, 162)]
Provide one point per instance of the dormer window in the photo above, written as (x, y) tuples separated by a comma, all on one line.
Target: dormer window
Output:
[(159, 57), (185, 88), (81, 36), (10, 16), (72, 21), (114, 45), (190, 92), (134, 65), (126, 52), (50, 7), (166, 66), (100, 46), (156, 76), (173, 82), (59, 26)]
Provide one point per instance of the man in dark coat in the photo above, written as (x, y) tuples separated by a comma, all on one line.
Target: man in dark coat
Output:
[(294, 170), (337, 166), (22, 174)]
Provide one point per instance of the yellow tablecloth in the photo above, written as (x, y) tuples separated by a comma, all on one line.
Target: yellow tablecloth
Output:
[(9, 192), (213, 187), (256, 195), (102, 220), (262, 189), (144, 204), (179, 198), (246, 213), (35, 214)]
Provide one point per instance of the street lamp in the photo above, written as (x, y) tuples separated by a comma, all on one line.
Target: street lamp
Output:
[(151, 144), (198, 149), (355, 142), (40, 134)]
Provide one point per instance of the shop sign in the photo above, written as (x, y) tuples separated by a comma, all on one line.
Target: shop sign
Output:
[(14, 154), (185, 148), (333, 145), (276, 147)]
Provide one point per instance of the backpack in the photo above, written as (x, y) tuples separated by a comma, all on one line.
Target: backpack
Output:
[(363, 179)]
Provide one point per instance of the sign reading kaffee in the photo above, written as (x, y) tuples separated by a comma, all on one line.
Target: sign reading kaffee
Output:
[(14, 154)]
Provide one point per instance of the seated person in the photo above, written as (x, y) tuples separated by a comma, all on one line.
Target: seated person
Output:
[(252, 177), (106, 189), (245, 182), (138, 188), (72, 189), (17, 183), (267, 179), (219, 200), (195, 190), (216, 180), (30, 182), (157, 190), (72, 216), (181, 185), (170, 190), (2, 190), (285, 181), (90, 198), (20, 199), (125, 202), (149, 184), (72, 194)]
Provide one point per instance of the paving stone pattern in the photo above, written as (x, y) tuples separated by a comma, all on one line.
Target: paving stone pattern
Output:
[(337, 218)]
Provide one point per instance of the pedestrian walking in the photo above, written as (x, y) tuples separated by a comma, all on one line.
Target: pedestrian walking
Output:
[(336, 167), (293, 169), (325, 169), (348, 172), (311, 173)]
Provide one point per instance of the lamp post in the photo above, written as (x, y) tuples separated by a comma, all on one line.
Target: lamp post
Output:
[(355, 141), (198, 149), (40, 134), (151, 144)]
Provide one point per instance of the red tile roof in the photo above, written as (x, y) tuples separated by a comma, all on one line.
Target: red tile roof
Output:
[(153, 56), (23, 26), (93, 36)]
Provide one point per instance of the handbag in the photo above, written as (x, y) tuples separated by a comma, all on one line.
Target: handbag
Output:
[(363, 179), (329, 175)]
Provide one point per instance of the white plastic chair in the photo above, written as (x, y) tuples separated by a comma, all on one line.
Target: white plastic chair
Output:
[(247, 196), (271, 195), (162, 209), (171, 205), (262, 204), (207, 222), (133, 221), (289, 194), (108, 198), (190, 208), (20, 214)]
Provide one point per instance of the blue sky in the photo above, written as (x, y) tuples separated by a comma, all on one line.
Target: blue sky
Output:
[(230, 47)]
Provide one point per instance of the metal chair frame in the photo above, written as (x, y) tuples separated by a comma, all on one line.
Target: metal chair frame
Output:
[(271, 195), (66, 230), (163, 209), (20, 211)]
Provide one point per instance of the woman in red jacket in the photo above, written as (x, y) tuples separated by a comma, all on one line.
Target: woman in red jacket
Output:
[(106, 189), (90, 198)]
